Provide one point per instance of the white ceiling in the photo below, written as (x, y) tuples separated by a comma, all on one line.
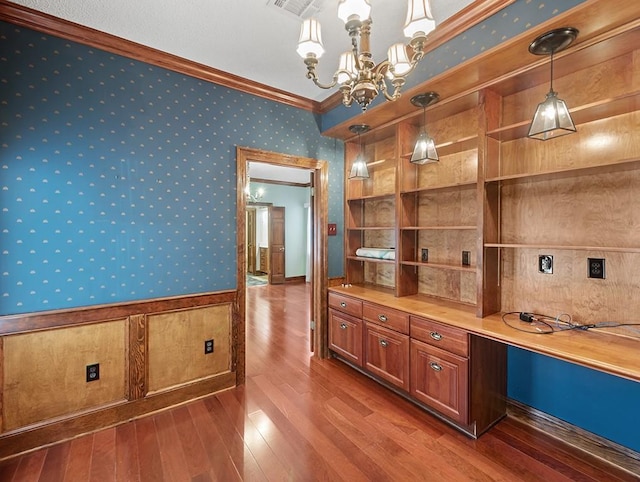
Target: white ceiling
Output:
[(249, 38)]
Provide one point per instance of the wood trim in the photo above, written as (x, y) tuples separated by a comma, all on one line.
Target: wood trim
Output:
[(281, 183), (295, 279), (137, 357), (60, 430), (244, 155), (21, 323), (600, 447), (48, 24), (463, 20)]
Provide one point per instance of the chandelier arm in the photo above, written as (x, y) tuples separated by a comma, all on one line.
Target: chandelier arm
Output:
[(397, 86), (311, 62), (334, 80), (333, 83), (382, 68)]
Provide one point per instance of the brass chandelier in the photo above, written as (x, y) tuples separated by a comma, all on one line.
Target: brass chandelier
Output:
[(358, 76)]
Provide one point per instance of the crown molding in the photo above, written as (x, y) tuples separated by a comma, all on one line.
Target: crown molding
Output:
[(29, 18), (50, 25)]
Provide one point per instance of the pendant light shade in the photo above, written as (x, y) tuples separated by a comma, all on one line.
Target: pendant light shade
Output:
[(552, 118), (424, 151), (359, 168)]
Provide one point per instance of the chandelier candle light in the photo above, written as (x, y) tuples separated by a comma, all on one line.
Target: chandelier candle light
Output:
[(358, 76)]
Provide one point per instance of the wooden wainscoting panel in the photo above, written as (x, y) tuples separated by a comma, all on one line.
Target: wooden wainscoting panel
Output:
[(137, 356), (45, 372), (176, 346)]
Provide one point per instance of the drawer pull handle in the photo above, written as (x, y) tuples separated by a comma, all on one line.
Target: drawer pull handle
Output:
[(343, 326), (384, 343), (382, 318), (435, 335), (434, 366), (343, 304)]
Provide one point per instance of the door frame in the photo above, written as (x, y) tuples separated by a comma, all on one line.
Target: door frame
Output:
[(320, 197)]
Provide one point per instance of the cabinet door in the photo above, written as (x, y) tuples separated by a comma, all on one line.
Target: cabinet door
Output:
[(439, 379), (345, 336), (387, 355)]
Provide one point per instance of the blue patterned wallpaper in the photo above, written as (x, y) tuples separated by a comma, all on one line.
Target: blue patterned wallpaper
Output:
[(117, 178), (513, 20)]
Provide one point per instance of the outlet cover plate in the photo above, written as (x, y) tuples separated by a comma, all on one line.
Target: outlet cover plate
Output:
[(596, 268), (93, 372), (545, 264), (208, 346)]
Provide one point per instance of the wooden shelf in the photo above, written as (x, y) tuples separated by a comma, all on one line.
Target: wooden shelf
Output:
[(601, 109), (371, 228), (371, 260), (437, 228), (616, 249), (615, 165), (375, 197), (446, 187), (453, 267)]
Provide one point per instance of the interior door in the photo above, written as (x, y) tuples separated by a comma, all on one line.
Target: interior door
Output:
[(276, 245), (251, 240)]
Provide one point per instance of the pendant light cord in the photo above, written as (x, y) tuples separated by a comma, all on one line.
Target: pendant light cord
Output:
[(552, 71)]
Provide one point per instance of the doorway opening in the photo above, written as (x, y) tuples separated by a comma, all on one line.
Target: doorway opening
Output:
[(257, 244), (318, 207)]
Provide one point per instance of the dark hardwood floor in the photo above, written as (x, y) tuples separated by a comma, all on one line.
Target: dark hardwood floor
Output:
[(301, 419)]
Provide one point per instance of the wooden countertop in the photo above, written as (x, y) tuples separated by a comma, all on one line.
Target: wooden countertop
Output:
[(617, 355)]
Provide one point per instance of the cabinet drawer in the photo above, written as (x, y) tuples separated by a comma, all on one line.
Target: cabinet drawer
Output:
[(387, 317), (440, 380), (345, 336), (345, 304), (386, 354), (446, 337)]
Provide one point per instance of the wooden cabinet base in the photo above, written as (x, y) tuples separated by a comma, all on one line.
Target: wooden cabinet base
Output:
[(452, 373), (473, 430)]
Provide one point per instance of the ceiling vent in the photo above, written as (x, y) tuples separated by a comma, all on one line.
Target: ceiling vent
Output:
[(297, 8)]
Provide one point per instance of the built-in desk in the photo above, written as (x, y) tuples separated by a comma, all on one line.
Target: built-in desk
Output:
[(617, 355)]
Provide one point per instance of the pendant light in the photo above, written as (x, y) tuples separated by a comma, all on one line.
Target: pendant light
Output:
[(552, 118), (425, 149), (359, 168)]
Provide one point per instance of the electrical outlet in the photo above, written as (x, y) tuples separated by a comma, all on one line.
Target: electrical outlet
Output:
[(93, 372), (208, 347), (425, 255), (545, 264), (595, 268), (466, 258)]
